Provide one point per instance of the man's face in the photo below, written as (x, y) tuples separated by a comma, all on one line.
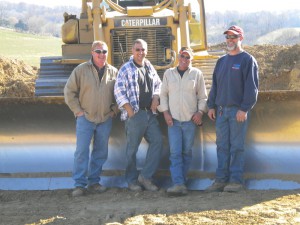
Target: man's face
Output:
[(232, 41), (139, 52), (184, 61), (99, 54)]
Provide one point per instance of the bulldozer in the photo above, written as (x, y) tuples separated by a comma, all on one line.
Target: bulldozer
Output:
[(37, 135)]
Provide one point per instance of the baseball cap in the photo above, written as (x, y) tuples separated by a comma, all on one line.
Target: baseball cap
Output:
[(186, 50), (236, 30)]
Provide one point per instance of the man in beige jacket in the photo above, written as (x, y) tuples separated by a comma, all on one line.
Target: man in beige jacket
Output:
[(183, 102), (89, 93)]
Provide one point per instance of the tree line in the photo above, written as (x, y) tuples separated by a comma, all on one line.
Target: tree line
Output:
[(33, 18), (256, 25), (47, 21)]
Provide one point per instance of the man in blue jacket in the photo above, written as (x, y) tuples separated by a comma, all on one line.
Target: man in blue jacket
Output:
[(232, 96)]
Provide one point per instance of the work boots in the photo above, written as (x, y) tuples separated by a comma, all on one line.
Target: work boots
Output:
[(147, 184), (96, 188), (216, 187), (233, 187), (177, 190), (78, 191)]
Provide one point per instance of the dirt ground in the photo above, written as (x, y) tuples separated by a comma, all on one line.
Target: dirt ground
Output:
[(279, 68), (120, 206)]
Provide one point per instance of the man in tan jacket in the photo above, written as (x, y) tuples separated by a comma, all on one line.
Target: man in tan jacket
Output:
[(89, 93), (183, 102)]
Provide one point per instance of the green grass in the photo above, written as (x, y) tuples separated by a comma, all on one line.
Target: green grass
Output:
[(28, 47)]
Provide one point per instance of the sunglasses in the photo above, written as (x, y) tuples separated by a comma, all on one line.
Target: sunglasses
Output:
[(98, 51), (233, 36), (140, 49), (185, 57)]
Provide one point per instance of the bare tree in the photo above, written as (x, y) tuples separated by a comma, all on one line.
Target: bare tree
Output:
[(35, 24), (3, 13), (52, 29)]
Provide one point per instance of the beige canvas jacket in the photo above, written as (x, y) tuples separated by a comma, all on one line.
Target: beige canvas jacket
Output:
[(182, 97), (84, 92)]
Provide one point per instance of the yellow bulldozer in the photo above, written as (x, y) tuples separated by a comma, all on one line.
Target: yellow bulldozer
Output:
[(37, 135), (165, 26)]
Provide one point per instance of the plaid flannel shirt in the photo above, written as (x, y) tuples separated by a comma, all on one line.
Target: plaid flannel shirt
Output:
[(127, 89)]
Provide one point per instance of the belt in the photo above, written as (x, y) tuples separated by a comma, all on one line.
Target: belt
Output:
[(226, 106), (145, 108)]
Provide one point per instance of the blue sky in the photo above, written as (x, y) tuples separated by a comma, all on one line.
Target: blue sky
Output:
[(210, 5)]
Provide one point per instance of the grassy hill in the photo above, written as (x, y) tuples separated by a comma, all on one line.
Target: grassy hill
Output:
[(28, 47), (284, 36)]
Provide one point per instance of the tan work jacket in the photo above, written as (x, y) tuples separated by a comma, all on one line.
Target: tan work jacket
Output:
[(84, 92), (183, 96)]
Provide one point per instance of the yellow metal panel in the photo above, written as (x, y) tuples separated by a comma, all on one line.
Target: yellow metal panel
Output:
[(140, 11), (69, 32), (85, 32)]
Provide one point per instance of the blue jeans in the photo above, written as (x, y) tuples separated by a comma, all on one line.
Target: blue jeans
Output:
[(181, 140), (230, 145), (142, 124), (87, 171)]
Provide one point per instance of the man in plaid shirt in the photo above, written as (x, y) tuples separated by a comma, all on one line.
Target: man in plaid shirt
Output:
[(137, 90)]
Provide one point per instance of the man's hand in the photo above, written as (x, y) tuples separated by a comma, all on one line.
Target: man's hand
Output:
[(241, 116), (112, 114), (81, 113), (129, 110), (168, 118), (154, 103), (212, 114), (197, 118)]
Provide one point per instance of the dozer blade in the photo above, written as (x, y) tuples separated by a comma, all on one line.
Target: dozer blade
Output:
[(37, 143)]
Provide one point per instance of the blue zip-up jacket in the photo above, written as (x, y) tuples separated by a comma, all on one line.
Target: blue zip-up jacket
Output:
[(235, 82)]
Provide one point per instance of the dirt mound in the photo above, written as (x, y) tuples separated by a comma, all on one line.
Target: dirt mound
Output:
[(279, 66), (17, 79), (279, 69)]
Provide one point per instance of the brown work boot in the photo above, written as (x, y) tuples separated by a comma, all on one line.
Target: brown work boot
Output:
[(216, 187), (177, 190), (233, 187), (96, 188), (147, 184), (134, 187), (78, 191)]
